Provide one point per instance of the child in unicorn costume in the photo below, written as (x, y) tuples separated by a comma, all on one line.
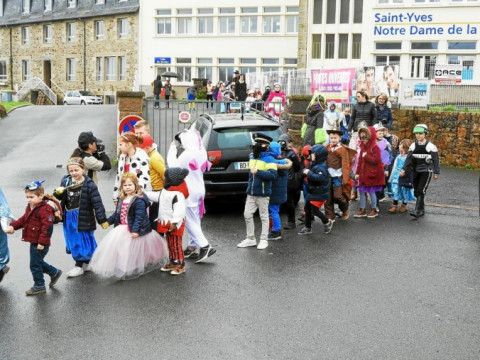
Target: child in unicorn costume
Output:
[(193, 158)]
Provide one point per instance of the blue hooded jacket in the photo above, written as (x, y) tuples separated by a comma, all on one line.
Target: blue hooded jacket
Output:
[(260, 184), (318, 176), (279, 185)]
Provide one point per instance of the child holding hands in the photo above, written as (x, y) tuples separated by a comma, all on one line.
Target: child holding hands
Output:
[(402, 186)]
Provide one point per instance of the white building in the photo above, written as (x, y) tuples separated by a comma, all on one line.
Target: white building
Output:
[(414, 34), (212, 39)]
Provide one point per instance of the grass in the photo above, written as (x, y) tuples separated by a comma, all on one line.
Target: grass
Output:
[(13, 104)]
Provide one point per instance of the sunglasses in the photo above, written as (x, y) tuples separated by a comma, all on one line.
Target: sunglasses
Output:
[(34, 185), (363, 138)]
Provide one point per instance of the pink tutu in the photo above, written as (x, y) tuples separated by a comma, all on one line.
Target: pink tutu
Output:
[(120, 256)]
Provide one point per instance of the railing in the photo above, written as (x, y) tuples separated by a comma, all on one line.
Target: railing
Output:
[(35, 83), (58, 87)]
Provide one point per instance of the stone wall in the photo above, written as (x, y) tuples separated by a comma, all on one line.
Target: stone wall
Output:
[(456, 134)]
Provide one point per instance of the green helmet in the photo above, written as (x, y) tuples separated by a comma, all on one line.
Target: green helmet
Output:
[(420, 129)]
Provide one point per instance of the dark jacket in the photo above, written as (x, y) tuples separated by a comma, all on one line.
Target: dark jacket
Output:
[(314, 121), (157, 86), (318, 176), (37, 224), (384, 117), (137, 217), (370, 167), (240, 90), (362, 111), (260, 184), (279, 185), (91, 205), (293, 182)]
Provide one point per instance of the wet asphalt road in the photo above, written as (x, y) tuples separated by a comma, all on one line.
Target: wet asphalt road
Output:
[(388, 288)]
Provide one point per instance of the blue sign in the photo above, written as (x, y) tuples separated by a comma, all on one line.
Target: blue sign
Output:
[(163, 60)]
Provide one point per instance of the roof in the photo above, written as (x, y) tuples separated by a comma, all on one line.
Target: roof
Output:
[(12, 11), (234, 120)]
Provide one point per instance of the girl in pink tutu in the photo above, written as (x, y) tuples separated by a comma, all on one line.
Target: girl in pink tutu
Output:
[(131, 248)]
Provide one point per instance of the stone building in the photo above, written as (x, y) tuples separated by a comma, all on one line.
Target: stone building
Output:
[(69, 44)]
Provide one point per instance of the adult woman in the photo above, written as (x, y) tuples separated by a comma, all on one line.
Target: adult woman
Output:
[(240, 88), (210, 89), (363, 112), (384, 114), (168, 91)]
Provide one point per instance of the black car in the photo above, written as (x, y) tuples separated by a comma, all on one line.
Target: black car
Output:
[(228, 140)]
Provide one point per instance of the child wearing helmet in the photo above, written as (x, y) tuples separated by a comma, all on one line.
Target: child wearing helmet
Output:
[(422, 160)]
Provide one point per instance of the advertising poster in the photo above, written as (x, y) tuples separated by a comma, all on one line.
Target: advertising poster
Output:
[(334, 85), (416, 93)]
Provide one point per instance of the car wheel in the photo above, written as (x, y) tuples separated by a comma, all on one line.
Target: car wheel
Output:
[(65, 103), (83, 103)]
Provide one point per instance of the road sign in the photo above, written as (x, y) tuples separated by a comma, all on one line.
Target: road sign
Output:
[(184, 117), (128, 123)]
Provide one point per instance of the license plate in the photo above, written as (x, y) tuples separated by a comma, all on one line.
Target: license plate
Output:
[(241, 165)]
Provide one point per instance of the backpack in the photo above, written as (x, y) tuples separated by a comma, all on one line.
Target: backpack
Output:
[(55, 205)]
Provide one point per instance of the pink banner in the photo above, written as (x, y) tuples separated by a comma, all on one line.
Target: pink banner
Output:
[(334, 85)]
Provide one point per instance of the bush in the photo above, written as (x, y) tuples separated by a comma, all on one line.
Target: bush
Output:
[(201, 95), (449, 108), (466, 109)]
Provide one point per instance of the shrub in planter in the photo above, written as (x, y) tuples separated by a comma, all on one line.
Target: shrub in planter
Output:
[(297, 104), (201, 95)]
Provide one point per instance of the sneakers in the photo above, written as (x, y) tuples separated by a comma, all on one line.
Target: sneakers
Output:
[(179, 269), (205, 252), (274, 235), (345, 215), (35, 290), (85, 267), (403, 208), (305, 231), (54, 278), (76, 271), (372, 214), (168, 267), (247, 242), (190, 253), (361, 213), (262, 244), (383, 199), (3, 272), (327, 228), (393, 209), (290, 225)]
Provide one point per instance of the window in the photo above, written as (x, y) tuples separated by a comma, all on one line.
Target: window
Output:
[(123, 29), (387, 60), (271, 9), (71, 3), (70, 32), (426, 45), (204, 61), (268, 61), (164, 26), (467, 65), (71, 70), (48, 5), (388, 46), (249, 10), (292, 24), (344, 11), (381, 2), (271, 24), (358, 11), (317, 11), (227, 11), (25, 6), (99, 2), (121, 68), (25, 70), (423, 66), (99, 69), (290, 61), (247, 69), (316, 46), (247, 65), (225, 73), (266, 65), (99, 30), (184, 72), (205, 72), (462, 45), (426, 1), (47, 34), (356, 46), (342, 46), (1, 7), (249, 24), (205, 25), (331, 7), (227, 24), (25, 35), (329, 46), (184, 26), (111, 67), (3, 70)]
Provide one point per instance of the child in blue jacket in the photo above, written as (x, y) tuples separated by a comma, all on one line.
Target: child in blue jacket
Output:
[(318, 189)]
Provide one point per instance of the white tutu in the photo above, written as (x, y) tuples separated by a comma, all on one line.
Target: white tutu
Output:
[(120, 256)]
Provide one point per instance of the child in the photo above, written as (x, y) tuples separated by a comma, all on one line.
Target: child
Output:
[(402, 186), (262, 172), (369, 174), (171, 221), (344, 126), (331, 117), (338, 162), (5, 218), (276, 102), (131, 248), (37, 224), (318, 184), (304, 163), (422, 160), (385, 153), (81, 204), (191, 95)]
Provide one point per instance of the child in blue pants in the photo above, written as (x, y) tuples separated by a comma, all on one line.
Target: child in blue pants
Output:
[(5, 217)]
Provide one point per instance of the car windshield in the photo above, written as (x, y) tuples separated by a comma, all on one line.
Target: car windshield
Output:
[(240, 137), (86, 93)]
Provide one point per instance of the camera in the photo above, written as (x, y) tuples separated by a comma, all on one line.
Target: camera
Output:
[(100, 147)]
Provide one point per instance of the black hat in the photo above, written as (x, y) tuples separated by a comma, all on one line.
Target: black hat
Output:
[(262, 138), (236, 72), (175, 176), (86, 138), (335, 131)]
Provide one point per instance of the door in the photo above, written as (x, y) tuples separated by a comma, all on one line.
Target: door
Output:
[(47, 73)]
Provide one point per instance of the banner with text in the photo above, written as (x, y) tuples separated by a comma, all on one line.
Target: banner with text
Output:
[(334, 85)]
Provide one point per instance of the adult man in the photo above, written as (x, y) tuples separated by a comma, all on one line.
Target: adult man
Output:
[(93, 154)]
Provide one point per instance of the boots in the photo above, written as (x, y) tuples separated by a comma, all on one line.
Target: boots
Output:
[(419, 208)]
